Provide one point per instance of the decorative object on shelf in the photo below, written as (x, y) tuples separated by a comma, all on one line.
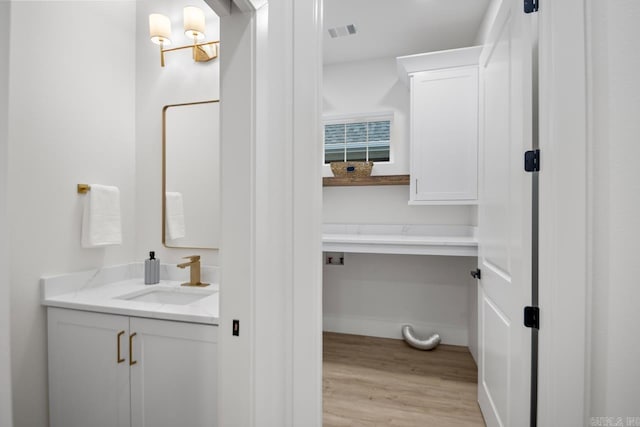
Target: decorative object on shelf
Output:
[(194, 25), (351, 169)]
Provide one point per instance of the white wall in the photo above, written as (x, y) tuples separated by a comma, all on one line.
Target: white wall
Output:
[(180, 81), (375, 294), (71, 120), (370, 86), (367, 87), (387, 205), (5, 367), (615, 101)]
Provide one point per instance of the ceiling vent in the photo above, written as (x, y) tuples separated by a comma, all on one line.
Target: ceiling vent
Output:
[(346, 30)]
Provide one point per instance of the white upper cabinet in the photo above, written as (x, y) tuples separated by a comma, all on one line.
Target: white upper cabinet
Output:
[(444, 135), (444, 126)]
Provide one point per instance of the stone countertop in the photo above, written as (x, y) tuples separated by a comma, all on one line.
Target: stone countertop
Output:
[(100, 291), (451, 240)]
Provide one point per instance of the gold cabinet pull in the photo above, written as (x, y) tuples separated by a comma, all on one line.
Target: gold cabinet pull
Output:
[(120, 359), (131, 361)]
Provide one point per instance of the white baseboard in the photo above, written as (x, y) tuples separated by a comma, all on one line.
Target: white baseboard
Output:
[(385, 328), (474, 354)]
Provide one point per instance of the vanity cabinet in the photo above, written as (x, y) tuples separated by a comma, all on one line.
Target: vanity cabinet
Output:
[(114, 371), (87, 385), (443, 126), (174, 382)]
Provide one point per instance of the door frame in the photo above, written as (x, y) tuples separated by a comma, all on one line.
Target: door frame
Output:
[(271, 156), (5, 309), (565, 212), (564, 287)]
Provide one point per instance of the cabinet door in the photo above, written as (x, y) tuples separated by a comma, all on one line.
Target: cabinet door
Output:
[(444, 136), (174, 380), (88, 380)]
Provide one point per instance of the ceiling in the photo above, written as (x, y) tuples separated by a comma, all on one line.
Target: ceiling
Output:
[(389, 28)]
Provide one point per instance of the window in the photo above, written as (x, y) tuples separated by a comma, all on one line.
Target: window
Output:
[(358, 138)]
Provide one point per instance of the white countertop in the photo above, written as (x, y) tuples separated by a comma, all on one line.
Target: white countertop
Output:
[(98, 290), (451, 240)]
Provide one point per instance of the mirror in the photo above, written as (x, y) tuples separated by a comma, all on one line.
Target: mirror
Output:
[(191, 175)]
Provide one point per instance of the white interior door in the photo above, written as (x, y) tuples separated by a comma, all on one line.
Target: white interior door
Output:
[(505, 219)]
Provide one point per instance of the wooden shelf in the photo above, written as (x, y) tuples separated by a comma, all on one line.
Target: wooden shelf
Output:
[(334, 181)]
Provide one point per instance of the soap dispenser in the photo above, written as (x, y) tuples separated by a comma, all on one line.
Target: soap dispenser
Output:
[(152, 270)]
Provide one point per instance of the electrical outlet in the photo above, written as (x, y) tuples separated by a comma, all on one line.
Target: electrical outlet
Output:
[(334, 258)]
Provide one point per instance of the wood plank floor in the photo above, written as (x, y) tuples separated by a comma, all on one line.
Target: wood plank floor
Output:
[(383, 382)]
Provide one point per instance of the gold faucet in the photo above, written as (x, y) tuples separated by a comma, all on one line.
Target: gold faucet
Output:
[(194, 263)]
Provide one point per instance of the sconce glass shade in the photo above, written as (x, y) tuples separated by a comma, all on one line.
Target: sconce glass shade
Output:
[(160, 29), (194, 23)]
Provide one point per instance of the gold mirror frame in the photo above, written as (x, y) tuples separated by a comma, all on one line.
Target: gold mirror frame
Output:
[(164, 171)]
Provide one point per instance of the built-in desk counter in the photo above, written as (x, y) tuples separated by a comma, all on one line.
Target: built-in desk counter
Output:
[(449, 240)]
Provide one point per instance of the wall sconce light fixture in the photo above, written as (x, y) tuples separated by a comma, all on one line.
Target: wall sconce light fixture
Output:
[(160, 32)]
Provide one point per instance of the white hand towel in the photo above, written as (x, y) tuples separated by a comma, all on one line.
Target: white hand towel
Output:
[(101, 218), (175, 215)]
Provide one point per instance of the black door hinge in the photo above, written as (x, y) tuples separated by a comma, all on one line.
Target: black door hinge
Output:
[(532, 317), (476, 274), (532, 161), (530, 6)]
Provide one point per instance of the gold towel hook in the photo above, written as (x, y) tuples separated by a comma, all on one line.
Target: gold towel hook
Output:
[(83, 188)]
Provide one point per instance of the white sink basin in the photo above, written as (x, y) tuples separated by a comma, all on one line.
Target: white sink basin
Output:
[(181, 296)]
